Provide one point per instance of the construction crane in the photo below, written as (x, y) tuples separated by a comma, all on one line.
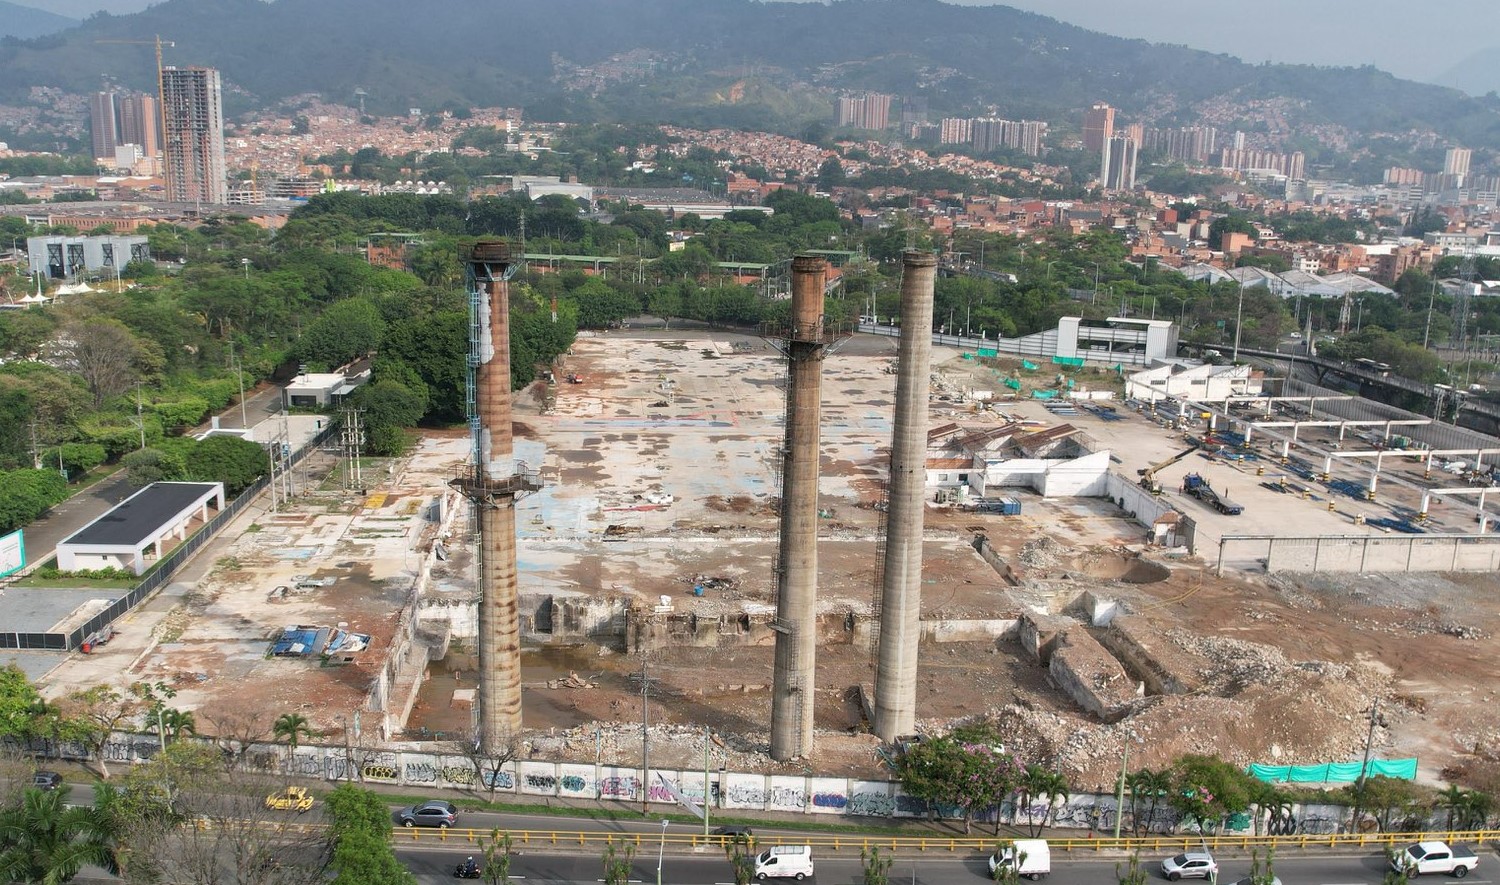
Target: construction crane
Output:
[(161, 96), (1149, 482)]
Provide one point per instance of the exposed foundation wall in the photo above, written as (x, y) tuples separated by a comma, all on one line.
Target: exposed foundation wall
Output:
[(969, 630), (1091, 676), (1132, 642), (1039, 635)]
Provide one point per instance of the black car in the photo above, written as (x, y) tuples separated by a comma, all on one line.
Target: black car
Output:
[(46, 780), (734, 831), (436, 813)]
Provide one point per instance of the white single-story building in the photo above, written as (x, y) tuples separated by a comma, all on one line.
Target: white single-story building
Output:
[(1200, 384), (131, 535), (1058, 462), (316, 389)]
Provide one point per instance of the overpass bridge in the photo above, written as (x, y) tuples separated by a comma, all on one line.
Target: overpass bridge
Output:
[(1484, 415)]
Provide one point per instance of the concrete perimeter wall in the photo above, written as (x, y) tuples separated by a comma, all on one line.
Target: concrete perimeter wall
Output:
[(1373, 553), (737, 791)]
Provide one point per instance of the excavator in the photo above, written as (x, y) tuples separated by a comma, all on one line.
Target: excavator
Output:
[(1149, 481)]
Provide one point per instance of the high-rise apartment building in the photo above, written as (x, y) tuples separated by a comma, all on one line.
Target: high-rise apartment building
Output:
[(140, 123), (1190, 144), (956, 130), (1121, 159), (1456, 164), (991, 133), (194, 136), (103, 127), (869, 111), (913, 110), (1098, 127)]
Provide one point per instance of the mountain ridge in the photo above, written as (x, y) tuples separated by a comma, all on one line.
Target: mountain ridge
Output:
[(27, 22), (504, 52)]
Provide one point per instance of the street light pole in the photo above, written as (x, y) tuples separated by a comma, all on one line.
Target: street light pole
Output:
[(661, 850)]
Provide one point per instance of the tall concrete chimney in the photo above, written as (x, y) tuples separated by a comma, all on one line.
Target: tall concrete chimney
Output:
[(493, 484), (797, 563), (901, 584)]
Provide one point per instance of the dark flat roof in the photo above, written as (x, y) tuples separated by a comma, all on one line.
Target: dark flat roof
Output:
[(138, 517)]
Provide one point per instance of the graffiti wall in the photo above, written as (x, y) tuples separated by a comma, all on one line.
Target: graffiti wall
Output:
[(720, 790)]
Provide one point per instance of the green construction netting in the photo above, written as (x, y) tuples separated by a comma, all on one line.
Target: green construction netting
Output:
[(1044, 394), (1029, 366), (1067, 360), (988, 351), (1335, 772), (1013, 384)]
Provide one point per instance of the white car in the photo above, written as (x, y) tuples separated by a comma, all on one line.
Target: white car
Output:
[(1189, 865)]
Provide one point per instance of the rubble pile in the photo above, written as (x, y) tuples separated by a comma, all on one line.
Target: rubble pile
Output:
[(1042, 552)]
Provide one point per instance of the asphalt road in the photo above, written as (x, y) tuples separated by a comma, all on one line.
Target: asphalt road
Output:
[(433, 863)]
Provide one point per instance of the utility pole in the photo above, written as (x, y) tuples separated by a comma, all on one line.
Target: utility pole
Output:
[(140, 422), (1359, 788), (1239, 317), (1120, 797), (645, 738), (36, 453), (1431, 297)]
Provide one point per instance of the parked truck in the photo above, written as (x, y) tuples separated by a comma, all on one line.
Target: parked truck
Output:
[(1422, 858), (1035, 858), (1194, 484)]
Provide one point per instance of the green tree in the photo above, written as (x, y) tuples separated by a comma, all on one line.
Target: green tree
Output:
[(876, 869), (44, 840), (235, 462), (1205, 789), (959, 771), (176, 723), (741, 856), (1043, 784), (1132, 874), (1147, 788), (145, 466), (497, 858), (831, 175), (346, 330), (617, 861), (19, 703), (360, 827), (1263, 874), (1007, 873), (26, 494), (292, 728)]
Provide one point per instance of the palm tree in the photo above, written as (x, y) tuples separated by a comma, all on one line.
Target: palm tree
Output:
[(44, 840), (292, 727), (176, 723), (1146, 784), (1454, 799), (1040, 782)]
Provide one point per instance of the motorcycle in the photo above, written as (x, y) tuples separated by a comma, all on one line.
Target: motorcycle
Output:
[(467, 871)]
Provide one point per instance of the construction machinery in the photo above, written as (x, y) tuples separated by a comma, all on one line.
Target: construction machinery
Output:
[(1195, 485), (1149, 482)]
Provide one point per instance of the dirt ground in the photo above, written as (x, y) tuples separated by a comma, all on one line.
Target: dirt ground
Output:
[(1283, 670), (1287, 670)]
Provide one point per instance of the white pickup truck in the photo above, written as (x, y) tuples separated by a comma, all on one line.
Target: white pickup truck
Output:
[(1423, 858)]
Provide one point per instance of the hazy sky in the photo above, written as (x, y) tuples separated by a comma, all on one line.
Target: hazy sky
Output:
[(1418, 39)]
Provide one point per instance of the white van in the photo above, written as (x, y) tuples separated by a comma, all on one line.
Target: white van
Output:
[(1036, 858), (784, 862)]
